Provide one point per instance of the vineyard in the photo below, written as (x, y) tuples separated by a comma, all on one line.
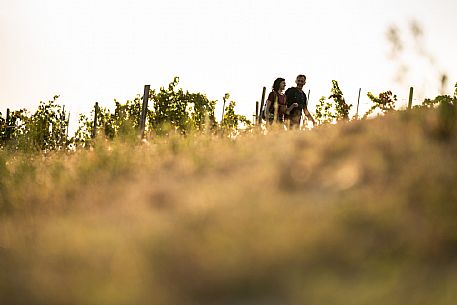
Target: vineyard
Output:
[(172, 111), (358, 210)]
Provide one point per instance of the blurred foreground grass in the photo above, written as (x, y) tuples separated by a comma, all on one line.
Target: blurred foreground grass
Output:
[(358, 213)]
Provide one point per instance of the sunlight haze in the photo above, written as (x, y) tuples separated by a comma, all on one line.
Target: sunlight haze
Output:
[(100, 50)]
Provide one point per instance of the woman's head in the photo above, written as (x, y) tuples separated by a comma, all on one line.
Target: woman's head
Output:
[(279, 84)]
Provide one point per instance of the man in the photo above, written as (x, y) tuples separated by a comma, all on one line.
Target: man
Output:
[(296, 95)]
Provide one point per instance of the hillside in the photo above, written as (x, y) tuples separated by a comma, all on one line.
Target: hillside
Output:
[(355, 213)]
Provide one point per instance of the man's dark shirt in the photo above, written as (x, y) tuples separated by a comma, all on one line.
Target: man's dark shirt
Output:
[(295, 95)]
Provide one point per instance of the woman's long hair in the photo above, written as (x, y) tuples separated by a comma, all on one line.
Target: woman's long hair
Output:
[(277, 83)]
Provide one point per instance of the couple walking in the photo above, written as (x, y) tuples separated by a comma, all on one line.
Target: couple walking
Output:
[(288, 106)]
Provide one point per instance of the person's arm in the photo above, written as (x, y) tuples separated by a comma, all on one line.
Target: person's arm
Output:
[(309, 116), (287, 97), (288, 110), (270, 101), (267, 109)]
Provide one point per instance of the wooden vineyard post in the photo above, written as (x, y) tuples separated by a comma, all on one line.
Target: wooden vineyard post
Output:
[(68, 124), (223, 109), (62, 129), (262, 102), (410, 99), (256, 113), (144, 109), (8, 127), (358, 102), (94, 129)]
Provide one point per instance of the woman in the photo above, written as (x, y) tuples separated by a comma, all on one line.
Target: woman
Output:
[(276, 106)]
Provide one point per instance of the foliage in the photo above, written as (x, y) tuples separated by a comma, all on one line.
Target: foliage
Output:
[(123, 123), (341, 107), (126, 117), (168, 109), (231, 120), (325, 112), (447, 119), (331, 112), (183, 111), (44, 130), (84, 132), (441, 99), (201, 111), (3, 129), (385, 102)]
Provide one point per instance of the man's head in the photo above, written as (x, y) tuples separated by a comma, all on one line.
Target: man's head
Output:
[(300, 80)]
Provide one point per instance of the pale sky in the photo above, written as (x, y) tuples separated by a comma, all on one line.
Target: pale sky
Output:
[(91, 51)]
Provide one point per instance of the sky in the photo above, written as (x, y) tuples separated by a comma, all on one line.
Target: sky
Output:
[(91, 51)]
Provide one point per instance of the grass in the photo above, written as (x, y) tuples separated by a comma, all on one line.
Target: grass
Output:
[(357, 213)]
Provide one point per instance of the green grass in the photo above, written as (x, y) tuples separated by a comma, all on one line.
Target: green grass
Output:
[(357, 213)]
